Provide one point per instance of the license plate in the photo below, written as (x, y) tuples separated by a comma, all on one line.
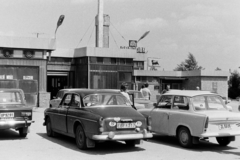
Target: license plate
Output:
[(7, 115), (224, 126), (125, 125)]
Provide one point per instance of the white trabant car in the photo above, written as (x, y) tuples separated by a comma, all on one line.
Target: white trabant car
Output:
[(193, 116)]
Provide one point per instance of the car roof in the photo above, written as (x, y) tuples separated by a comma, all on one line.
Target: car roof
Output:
[(92, 91), (189, 93)]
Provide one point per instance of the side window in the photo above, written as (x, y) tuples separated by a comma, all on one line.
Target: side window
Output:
[(180, 102), (75, 102), (66, 100), (165, 102)]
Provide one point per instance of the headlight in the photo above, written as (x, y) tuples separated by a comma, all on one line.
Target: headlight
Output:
[(138, 123), (26, 114), (112, 124)]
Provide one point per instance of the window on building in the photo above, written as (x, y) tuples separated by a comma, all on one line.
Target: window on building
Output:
[(100, 60), (144, 79), (113, 61), (129, 61), (140, 64), (135, 64), (138, 78), (93, 59), (107, 60), (122, 61), (125, 76)]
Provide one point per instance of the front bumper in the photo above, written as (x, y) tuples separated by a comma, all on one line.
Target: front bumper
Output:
[(113, 136), (15, 124)]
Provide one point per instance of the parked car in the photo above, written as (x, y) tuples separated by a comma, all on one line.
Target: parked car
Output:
[(139, 101), (14, 114), (57, 99), (192, 116), (91, 116)]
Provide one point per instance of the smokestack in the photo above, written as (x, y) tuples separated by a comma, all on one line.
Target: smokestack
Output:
[(99, 25)]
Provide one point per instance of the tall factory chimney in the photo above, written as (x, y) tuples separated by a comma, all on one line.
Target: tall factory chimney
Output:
[(102, 23)]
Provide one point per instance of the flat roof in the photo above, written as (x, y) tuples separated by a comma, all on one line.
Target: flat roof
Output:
[(48, 44)]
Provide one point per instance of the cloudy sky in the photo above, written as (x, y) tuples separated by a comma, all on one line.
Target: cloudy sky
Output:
[(209, 29)]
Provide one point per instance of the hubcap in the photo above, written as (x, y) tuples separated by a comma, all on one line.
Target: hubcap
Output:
[(184, 137)]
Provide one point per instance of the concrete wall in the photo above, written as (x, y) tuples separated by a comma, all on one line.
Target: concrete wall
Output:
[(215, 84)]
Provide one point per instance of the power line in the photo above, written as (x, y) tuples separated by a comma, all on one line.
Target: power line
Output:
[(118, 31), (113, 37), (85, 32), (90, 36)]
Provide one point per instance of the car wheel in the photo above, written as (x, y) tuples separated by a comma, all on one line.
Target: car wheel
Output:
[(223, 141), (130, 143), (49, 130), (23, 132), (80, 138), (184, 137)]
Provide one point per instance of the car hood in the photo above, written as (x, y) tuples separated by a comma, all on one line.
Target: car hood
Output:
[(115, 112), (14, 107), (221, 115)]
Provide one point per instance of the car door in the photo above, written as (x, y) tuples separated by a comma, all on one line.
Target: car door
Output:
[(160, 115), (178, 114), (61, 125)]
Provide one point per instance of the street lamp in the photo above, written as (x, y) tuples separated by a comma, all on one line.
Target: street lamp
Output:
[(60, 21), (143, 36)]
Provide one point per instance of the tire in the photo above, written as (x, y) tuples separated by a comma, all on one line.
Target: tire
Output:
[(223, 141), (23, 132), (80, 138), (130, 143), (50, 132), (184, 137)]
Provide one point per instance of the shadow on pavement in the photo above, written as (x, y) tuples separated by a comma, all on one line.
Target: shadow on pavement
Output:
[(102, 148), (9, 134), (201, 147)]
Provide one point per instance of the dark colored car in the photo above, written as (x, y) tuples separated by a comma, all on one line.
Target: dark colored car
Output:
[(90, 116), (14, 114)]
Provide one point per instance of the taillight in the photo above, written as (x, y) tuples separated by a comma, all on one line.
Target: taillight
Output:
[(149, 123), (206, 123)]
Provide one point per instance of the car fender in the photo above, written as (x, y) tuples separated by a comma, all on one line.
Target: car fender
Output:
[(183, 125)]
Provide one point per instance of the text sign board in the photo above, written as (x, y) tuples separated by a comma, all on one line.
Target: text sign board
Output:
[(28, 77), (133, 43), (9, 76)]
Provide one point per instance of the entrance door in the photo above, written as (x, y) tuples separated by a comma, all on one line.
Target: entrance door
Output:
[(55, 83)]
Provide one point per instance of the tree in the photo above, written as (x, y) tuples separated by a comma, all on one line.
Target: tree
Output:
[(189, 64), (234, 85)]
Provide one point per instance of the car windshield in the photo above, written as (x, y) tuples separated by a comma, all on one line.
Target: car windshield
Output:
[(10, 97), (105, 99), (208, 102)]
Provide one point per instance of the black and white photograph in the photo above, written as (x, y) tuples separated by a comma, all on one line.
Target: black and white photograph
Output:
[(120, 79)]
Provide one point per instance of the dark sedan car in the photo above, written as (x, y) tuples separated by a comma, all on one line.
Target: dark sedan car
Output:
[(14, 114), (91, 115)]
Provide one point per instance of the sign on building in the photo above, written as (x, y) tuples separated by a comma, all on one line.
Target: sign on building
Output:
[(28, 77), (153, 63), (9, 76), (133, 43)]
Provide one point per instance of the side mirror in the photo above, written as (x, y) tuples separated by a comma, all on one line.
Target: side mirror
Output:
[(155, 104)]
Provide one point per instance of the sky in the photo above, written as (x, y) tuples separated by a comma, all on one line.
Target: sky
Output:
[(209, 29)]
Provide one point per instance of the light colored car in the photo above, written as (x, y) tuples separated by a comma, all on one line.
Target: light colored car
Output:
[(193, 116)]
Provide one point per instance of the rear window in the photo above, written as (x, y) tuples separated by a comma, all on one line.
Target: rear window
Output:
[(208, 102), (11, 97), (105, 100)]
